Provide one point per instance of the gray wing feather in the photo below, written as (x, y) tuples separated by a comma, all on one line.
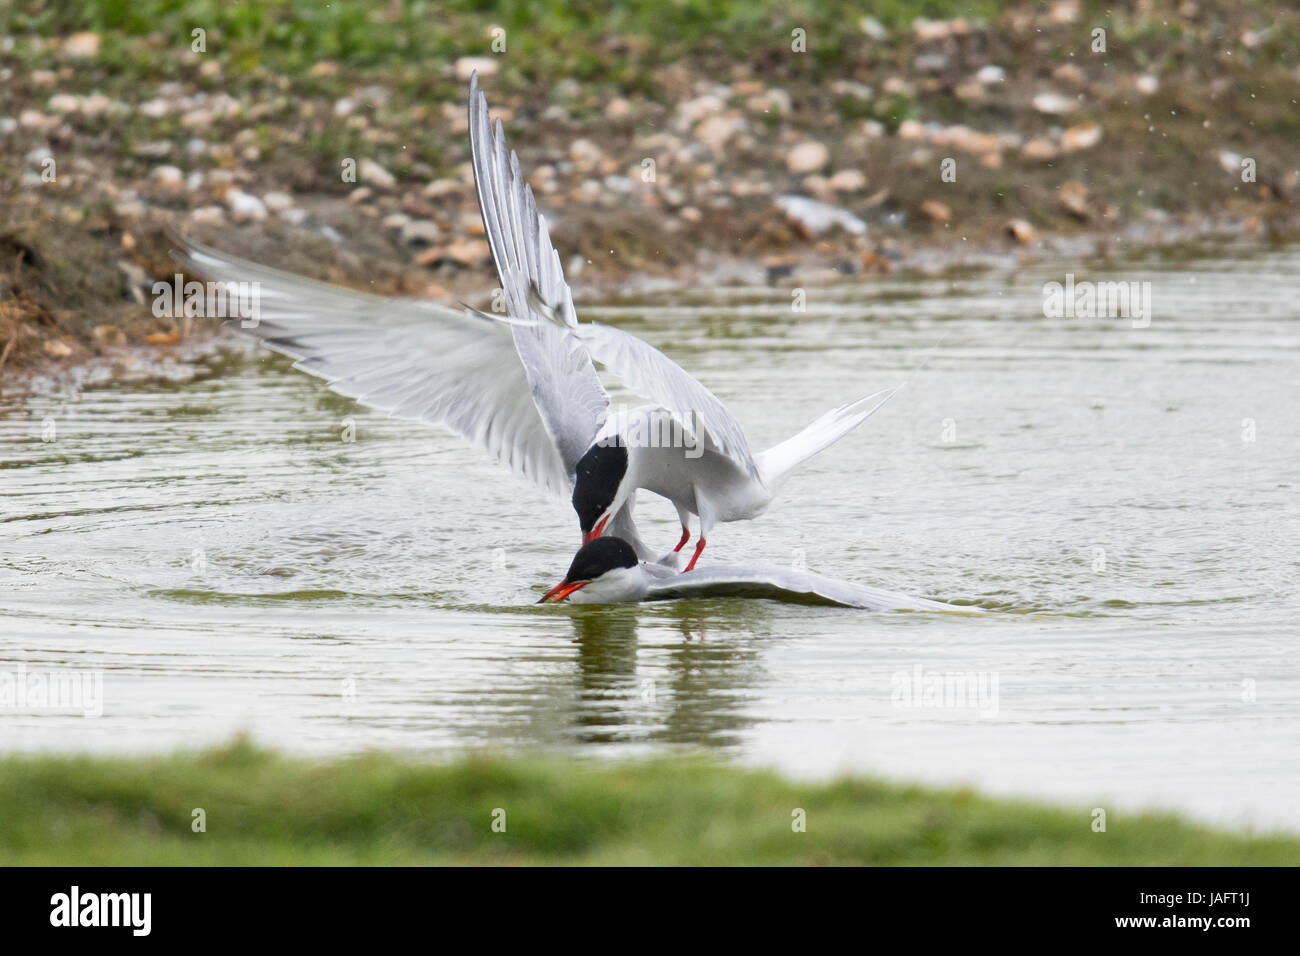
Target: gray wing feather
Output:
[(784, 584), (648, 372), (565, 387), (415, 360)]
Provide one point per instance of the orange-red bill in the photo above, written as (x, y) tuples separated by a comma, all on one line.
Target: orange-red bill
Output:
[(562, 590), (595, 532)]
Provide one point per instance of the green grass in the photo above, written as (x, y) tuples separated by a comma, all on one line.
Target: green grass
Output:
[(376, 32), (265, 809)]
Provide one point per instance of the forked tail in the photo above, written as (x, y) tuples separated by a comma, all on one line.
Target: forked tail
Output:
[(777, 462)]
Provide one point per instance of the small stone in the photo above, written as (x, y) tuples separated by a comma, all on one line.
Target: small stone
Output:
[(469, 252), (467, 66), (245, 207), (443, 187), (420, 232), (152, 150), (1070, 73), (910, 129), (716, 131), (1021, 231), (848, 181), (618, 108), (585, 154), (277, 202), (208, 214), (168, 177), (360, 194), (373, 174), (64, 103), (472, 223), (936, 211), (853, 89), (57, 348), (81, 46), (807, 157), (873, 28), (926, 31), (1073, 197), (156, 108), (108, 336), (812, 217), (931, 61), (1229, 161), (991, 75), (1077, 138), (1040, 150), (1064, 11), (1055, 104), (1146, 84), (690, 112), (417, 208), (197, 119)]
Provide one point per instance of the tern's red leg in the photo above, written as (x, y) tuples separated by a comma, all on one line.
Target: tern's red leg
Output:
[(686, 536), (699, 546)]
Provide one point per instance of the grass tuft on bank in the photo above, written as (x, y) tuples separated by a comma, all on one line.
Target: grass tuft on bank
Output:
[(261, 808)]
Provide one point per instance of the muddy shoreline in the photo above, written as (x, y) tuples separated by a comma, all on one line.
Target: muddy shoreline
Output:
[(209, 344), (840, 148)]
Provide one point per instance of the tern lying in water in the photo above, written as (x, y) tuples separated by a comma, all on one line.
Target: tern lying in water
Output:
[(607, 571), (523, 387)]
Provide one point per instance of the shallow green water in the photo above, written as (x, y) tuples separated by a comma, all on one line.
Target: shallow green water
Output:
[(227, 562)]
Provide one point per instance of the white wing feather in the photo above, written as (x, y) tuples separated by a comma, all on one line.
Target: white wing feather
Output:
[(415, 360), (565, 386), (783, 584), (653, 375)]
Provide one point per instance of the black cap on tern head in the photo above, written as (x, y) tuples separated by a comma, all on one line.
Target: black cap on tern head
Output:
[(599, 556), (595, 483)]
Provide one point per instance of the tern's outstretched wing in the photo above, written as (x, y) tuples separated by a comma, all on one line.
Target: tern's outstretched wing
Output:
[(783, 584), (415, 360), (653, 375), (564, 384)]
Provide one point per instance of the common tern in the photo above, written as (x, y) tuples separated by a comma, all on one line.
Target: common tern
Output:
[(523, 386), (607, 571)]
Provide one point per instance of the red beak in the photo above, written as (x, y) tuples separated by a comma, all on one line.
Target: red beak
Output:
[(594, 533), (562, 590)]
